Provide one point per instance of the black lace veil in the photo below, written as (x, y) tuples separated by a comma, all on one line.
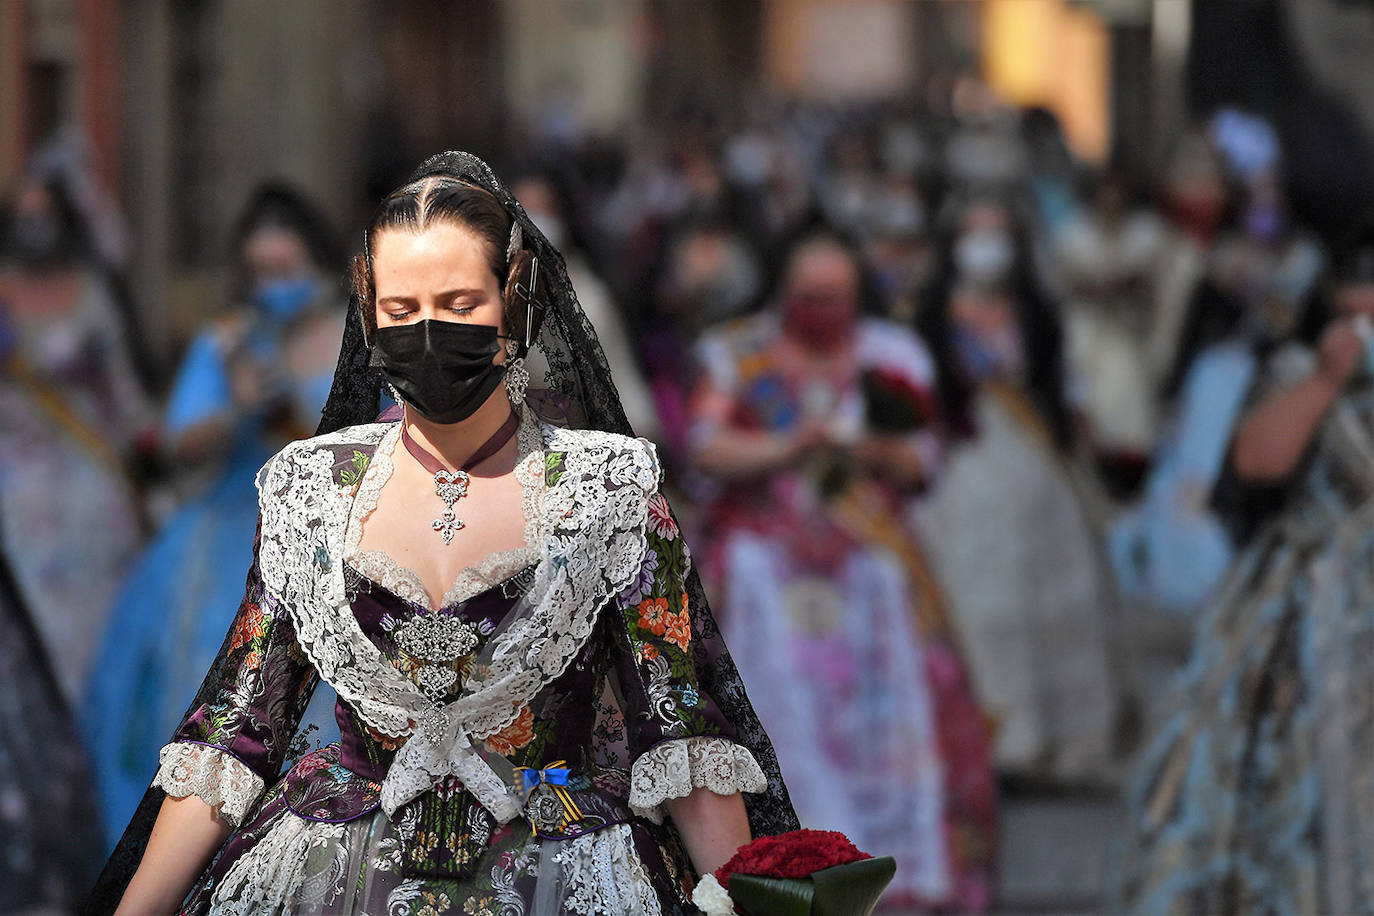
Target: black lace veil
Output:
[(580, 378)]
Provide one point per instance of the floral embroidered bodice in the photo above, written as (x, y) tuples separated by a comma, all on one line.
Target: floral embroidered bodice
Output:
[(623, 712)]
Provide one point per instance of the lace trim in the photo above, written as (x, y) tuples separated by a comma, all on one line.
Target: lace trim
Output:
[(672, 769), (591, 530), (219, 779), (271, 877), (405, 582), (602, 873)]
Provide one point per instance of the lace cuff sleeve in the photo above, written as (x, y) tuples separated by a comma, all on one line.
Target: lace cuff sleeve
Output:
[(672, 769), (221, 780)]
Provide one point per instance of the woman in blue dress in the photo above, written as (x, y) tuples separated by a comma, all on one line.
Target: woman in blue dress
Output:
[(255, 379), (1256, 794)]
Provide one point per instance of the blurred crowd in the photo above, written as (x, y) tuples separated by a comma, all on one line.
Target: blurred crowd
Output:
[(948, 412)]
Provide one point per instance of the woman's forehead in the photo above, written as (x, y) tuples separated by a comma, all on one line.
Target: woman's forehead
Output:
[(439, 253), (822, 265), (274, 243)]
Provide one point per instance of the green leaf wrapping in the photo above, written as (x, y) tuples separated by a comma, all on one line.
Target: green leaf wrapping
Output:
[(845, 890), (757, 895)]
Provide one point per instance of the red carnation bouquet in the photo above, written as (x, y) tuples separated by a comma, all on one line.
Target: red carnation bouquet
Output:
[(802, 873)]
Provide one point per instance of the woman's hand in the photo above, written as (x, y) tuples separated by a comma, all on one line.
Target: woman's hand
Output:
[(1340, 351), (712, 826), (893, 457)]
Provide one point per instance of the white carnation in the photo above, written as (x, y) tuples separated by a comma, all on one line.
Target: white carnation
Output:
[(711, 898)]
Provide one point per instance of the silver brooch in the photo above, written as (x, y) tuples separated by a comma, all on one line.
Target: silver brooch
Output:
[(546, 812), (436, 641), (435, 638)]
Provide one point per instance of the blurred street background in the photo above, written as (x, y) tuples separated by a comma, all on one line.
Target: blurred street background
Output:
[(1080, 236)]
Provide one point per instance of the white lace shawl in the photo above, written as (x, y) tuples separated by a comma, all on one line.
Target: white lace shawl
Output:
[(592, 523)]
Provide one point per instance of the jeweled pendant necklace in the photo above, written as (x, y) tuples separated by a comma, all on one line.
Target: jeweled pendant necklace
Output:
[(452, 486)]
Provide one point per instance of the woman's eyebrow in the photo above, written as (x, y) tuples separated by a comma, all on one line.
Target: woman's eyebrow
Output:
[(457, 293), (398, 300)]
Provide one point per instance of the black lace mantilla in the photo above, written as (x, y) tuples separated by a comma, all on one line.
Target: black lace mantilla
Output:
[(577, 370)]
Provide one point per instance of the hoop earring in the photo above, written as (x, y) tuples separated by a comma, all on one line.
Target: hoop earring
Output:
[(517, 380)]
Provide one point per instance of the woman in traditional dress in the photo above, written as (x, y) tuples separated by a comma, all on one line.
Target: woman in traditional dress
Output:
[(72, 413), (537, 713), (1110, 260), (1257, 793), (256, 378), (1010, 541), (817, 426)]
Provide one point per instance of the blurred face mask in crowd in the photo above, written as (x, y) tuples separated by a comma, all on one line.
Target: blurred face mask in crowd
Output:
[(822, 321), (284, 299), (984, 255)]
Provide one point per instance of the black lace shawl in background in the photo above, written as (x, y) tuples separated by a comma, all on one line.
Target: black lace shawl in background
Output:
[(579, 371)]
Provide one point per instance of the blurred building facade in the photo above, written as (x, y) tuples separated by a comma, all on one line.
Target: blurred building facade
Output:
[(186, 105)]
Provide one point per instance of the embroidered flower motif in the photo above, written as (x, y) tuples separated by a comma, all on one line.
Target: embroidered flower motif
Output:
[(312, 763), (247, 627), (690, 697), (252, 661), (475, 907), (644, 582), (514, 736), (425, 843), (352, 474), (388, 742), (435, 904), (679, 630), (660, 520), (457, 846), (648, 653), (654, 615)]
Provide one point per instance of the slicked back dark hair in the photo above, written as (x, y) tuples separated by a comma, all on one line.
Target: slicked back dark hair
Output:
[(415, 207)]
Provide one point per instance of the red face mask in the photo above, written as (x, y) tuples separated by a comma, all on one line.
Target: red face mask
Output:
[(820, 322)]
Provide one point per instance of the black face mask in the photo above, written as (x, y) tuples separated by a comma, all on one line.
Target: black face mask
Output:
[(443, 369)]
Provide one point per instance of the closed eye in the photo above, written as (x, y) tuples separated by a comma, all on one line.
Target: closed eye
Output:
[(398, 308)]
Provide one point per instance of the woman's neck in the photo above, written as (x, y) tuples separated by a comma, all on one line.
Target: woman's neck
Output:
[(455, 443)]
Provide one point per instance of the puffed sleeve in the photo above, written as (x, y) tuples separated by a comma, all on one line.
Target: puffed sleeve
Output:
[(678, 738), (234, 742)]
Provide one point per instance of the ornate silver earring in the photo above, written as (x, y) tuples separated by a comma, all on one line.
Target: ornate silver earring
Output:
[(517, 380)]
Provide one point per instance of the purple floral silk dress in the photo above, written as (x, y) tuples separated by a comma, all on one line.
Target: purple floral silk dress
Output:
[(614, 727)]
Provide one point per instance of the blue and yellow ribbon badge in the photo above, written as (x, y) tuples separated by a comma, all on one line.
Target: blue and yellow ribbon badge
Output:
[(555, 778)]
